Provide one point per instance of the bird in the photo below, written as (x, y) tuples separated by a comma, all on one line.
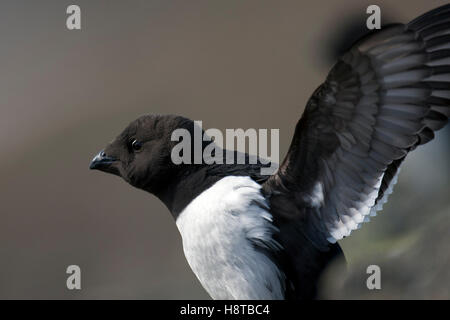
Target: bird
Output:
[(247, 235)]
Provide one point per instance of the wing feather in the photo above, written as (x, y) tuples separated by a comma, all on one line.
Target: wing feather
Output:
[(385, 96)]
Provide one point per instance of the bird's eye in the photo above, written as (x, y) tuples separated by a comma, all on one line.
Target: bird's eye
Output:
[(136, 145)]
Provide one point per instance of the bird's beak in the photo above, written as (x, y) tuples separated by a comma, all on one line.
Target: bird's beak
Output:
[(103, 163)]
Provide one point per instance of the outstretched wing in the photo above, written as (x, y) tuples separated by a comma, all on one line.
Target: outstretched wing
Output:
[(384, 97)]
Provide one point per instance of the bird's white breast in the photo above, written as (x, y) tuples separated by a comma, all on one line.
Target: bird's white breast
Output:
[(220, 229)]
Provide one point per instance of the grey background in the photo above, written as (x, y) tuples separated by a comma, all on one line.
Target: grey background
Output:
[(232, 64)]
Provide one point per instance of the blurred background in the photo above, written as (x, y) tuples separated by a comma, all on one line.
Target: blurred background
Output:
[(232, 64)]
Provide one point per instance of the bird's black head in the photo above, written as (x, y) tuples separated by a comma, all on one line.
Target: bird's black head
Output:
[(141, 154)]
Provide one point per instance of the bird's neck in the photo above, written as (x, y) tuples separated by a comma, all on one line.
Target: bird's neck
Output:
[(177, 192)]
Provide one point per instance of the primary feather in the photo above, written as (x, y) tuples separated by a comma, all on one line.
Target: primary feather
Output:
[(385, 96)]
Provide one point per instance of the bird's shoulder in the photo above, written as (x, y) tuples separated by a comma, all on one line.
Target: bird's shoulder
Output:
[(197, 180)]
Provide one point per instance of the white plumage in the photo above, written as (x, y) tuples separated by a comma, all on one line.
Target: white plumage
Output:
[(220, 229)]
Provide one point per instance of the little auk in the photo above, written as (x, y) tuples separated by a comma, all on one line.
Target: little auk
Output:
[(252, 236)]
